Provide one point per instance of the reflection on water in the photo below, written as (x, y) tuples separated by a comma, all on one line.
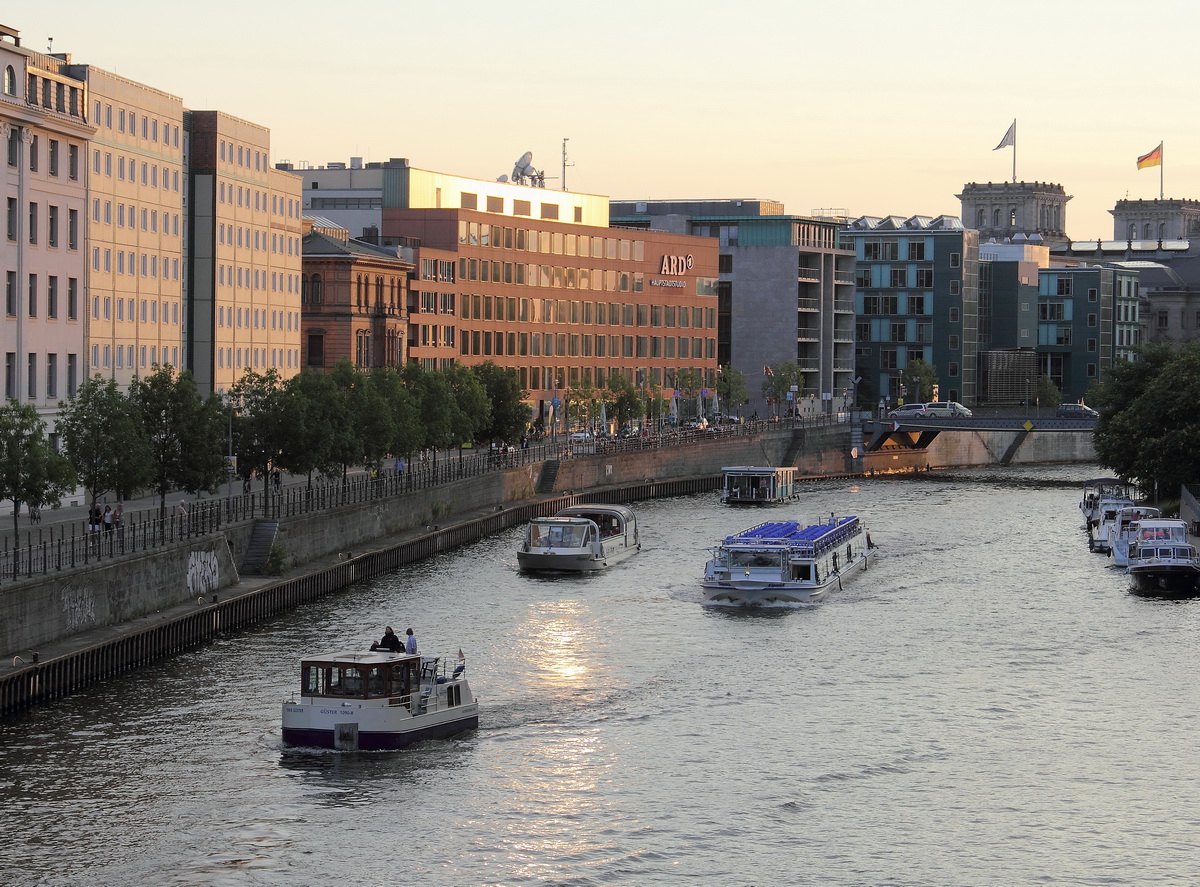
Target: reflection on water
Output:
[(987, 704)]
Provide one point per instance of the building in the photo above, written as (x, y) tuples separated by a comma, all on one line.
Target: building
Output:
[(534, 279), (354, 300), (1006, 209), (917, 299), (244, 253), (45, 129), (1152, 221), (785, 291), (135, 228), (1075, 323)]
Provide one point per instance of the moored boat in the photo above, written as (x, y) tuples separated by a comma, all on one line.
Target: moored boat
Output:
[(580, 538), (1122, 531), (378, 700), (1102, 499), (750, 485), (1161, 559), (786, 562)]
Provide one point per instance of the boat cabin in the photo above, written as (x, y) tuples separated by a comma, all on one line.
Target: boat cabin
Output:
[(376, 675), (749, 485)]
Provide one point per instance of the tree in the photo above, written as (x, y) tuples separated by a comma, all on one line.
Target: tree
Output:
[(263, 424), (321, 407), (731, 388), (436, 404), (184, 433), (625, 399), (473, 410), (1048, 394), (104, 439), (688, 383), (919, 378), (510, 415), (1148, 428), (406, 430), (31, 470)]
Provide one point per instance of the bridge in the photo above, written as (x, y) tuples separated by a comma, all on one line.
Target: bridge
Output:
[(914, 433)]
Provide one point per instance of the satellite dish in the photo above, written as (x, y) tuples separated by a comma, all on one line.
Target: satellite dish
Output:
[(526, 159), (502, 179)]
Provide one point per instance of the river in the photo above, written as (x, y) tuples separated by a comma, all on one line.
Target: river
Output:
[(987, 705)]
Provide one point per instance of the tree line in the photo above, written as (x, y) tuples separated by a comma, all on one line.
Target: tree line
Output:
[(163, 435)]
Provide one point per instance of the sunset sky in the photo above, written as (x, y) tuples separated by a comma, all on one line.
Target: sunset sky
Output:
[(871, 108)]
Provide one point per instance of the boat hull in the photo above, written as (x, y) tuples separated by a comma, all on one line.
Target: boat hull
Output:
[(351, 729), (1172, 579), (751, 592), (567, 560)]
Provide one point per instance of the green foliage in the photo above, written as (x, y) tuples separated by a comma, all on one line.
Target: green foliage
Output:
[(780, 377), (1048, 394), (731, 389), (1149, 427), (263, 423), (104, 438), (919, 377), (625, 401), (31, 471), (277, 561), (510, 415)]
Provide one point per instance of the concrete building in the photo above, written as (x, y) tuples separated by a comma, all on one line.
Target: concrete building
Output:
[(1153, 221), (917, 299), (134, 305), (1036, 210), (533, 279), (785, 291), (45, 130), (1075, 323), (245, 257)]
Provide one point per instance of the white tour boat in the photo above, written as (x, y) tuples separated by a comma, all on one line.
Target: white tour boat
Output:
[(1121, 533), (378, 700), (749, 485), (786, 562), (580, 538), (1100, 490), (1162, 559)]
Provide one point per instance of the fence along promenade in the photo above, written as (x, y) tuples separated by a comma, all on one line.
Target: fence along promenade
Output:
[(54, 547)]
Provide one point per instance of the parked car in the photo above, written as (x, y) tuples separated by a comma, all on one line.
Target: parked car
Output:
[(909, 411), (1075, 411), (950, 409)]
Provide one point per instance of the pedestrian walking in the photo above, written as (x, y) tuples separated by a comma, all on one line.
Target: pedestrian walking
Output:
[(106, 520)]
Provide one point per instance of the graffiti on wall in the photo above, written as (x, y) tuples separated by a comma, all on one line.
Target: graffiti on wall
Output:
[(203, 573), (79, 606)]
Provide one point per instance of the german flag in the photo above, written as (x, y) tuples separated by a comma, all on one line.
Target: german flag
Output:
[(1154, 158)]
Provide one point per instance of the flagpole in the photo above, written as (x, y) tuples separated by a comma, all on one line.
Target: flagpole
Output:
[(1161, 164), (1014, 150)]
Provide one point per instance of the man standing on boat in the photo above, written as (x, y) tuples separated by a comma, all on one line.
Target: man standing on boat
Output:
[(411, 646), (389, 641)]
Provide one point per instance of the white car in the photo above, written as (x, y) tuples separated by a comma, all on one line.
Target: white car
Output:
[(909, 411), (951, 409)]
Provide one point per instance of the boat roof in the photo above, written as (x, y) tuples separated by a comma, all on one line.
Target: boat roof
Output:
[(362, 657), (786, 532), (1105, 481), (761, 469), (598, 507)]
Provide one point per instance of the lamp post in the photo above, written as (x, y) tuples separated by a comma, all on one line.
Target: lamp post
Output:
[(230, 462)]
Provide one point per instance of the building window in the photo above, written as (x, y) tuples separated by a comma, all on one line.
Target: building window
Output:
[(955, 260), (33, 222), (899, 277), (955, 287), (549, 210), (1092, 294), (1091, 320), (953, 369), (10, 80)]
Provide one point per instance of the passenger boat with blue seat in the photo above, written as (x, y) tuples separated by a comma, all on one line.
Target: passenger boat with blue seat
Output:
[(750, 485), (1161, 559), (378, 700), (786, 562), (580, 538)]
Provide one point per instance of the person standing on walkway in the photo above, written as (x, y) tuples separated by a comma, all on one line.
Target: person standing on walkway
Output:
[(94, 519), (118, 522), (107, 520)]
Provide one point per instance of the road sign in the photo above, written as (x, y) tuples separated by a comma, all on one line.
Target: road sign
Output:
[(231, 464)]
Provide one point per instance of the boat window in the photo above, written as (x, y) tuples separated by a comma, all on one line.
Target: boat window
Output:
[(754, 558), (329, 680)]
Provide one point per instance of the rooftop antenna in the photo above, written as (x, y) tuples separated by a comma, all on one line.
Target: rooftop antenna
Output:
[(49, 45), (565, 164), (524, 174)]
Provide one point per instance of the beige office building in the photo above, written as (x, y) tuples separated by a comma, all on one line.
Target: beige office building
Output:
[(245, 253), (44, 129)]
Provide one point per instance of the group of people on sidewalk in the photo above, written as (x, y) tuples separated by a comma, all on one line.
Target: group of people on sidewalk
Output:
[(108, 521), (390, 641)]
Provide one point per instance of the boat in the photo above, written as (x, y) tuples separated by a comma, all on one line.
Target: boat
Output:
[(1102, 499), (786, 562), (378, 700), (1161, 558), (580, 538), (750, 485), (1121, 533)]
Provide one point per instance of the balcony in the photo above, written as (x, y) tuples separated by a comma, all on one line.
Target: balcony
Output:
[(805, 304), (808, 275), (844, 306)]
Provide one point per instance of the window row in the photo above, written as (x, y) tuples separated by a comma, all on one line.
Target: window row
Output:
[(257, 358), (253, 198), (484, 343), (510, 308), (894, 249), (51, 94), (243, 156), (256, 239), (102, 308), (127, 169), (41, 296), (54, 155), (134, 264), (424, 302), (122, 357), (256, 318), (54, 219), (127, 120), (256, 278), (906, 277), (126, 216), (556, 243), (550, 378), (41, 374), (558, 277), (437, 269)]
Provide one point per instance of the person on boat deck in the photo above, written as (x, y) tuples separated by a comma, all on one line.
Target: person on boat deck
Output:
[(410, 646), (389, 641)]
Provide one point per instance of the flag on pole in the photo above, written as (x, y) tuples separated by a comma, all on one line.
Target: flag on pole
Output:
[(1154, 158), (1010, 138)]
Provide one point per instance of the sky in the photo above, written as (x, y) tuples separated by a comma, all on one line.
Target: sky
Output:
[(867, 108)]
